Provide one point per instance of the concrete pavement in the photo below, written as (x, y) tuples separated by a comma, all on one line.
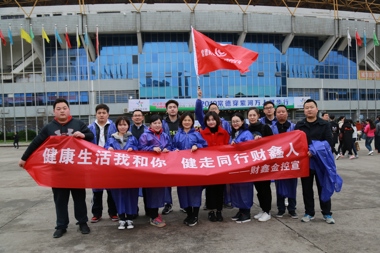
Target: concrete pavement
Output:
[(27, 220)]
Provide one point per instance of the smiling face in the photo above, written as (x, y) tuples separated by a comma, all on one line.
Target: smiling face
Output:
[(137, 118), (236, 122), (211, 122), (253, 117), (122, 127), (156, 125), (214, 108), (187, 123)]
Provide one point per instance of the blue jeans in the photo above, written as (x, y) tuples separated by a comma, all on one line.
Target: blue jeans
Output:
[(368, 142)]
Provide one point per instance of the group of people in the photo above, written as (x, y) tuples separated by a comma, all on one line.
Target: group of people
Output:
[(177, 132), (346, 133)]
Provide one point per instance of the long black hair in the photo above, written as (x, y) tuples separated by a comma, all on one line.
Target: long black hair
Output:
[(243, 126)]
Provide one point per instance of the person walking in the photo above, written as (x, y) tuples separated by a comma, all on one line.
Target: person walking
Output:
[(15, 140), (369, 131)]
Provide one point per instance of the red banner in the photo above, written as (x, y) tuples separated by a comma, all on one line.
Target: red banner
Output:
[(67, 162), (210, 56)]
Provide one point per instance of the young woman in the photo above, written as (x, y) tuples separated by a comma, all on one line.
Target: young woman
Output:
[(286, 188), (190, 197), (154, 139), (264, 192), (214, 135), (369, 130), (241, 193), (126, 200)]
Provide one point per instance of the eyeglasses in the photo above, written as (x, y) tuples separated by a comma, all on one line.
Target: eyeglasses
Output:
[(268, 108)]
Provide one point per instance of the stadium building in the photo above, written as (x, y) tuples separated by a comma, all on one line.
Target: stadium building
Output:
[(123, 53)]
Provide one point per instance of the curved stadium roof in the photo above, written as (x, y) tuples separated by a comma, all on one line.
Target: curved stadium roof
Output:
[(369, 6)]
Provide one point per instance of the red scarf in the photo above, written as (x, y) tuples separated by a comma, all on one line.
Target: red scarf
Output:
[(157, 134)]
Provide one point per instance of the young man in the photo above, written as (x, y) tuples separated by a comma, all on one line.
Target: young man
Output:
[(269, 111), (102, 128), (317, 129), (64, 125), (325, 116), (213, 107), (170, 126)]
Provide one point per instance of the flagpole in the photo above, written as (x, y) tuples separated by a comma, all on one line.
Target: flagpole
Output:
[(67, 70), (2, 88), (23, 76), (34, 80), (357, 74), (349, 68), (56, 59), (13, 84), (78, 77), (99, 66), (44, 77), (365, 68), (90, 87), (374, 80)]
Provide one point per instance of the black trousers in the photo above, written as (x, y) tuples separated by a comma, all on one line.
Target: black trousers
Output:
[(61, 201), (308, 195), (214, 196), (97, 203), (264, 195)]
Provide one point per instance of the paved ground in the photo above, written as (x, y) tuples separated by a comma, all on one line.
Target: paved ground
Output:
[(27, 220)]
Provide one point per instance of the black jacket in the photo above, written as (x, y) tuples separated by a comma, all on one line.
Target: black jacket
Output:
[(319, 130), (56, 129)]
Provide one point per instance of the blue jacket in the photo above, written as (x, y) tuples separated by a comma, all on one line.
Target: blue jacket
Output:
[(265, 121), (183, 140), (200, 117), (129, 139), (242, 136), (109, 129), (149, 140), (323, 163), (274, 127)]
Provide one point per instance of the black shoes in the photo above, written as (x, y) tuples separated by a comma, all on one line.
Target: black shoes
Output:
[(211, 216), (83, 228), (219, 216), (59, 232)]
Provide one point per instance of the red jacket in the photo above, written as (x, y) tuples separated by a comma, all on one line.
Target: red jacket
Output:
[(221, 137)]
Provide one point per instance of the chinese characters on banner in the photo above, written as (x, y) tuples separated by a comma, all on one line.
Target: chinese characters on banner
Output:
[(66, 162)]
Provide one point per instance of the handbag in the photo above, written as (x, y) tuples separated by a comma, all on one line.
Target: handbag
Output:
[(357, 146)]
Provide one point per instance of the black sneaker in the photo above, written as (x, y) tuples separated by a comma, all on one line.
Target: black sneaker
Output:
[(211, 216), (280, 214), (186, 221), (219, 216), (167, 209), (59, 232), (293, 214), (237, 216), (192, 222), (244, 218), (83, 228)]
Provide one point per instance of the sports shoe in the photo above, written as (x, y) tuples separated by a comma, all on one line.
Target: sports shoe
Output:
[(280, 214), (219, 216), (265, 217), (211, 216), (286, 202), (114, 217), (237, 216), (95, 219), (158, 222), (83, 228), (307, 218), (59, 232), (121, 224), (182, 210), (293, 214), (352, 157), (130, 224), (357, 156), (257, 216), (329, 219), (338, 156), (244, 218), (167, 209), (192, 222), (370, 152), (186, 221)]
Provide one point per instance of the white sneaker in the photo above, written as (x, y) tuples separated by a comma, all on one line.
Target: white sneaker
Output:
[(265, 217), (370, 152), (121, 224), (337, 157), (130, 224), (286, 202), (257, 216)]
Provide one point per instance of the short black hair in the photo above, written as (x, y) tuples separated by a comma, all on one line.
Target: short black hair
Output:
[(60, 100), (214, 115), (282, 106), (183, 116), (332, 116), (102, 106), (122, 118), (155, 117), (171, 101), (137, 110), (213, 103), (268, 102), (310, 101), (323, 113)]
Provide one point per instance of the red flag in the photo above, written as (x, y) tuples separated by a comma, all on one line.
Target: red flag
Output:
[(2, 38), (210, 56), (68, 41), (358, 39), (97, 41)]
